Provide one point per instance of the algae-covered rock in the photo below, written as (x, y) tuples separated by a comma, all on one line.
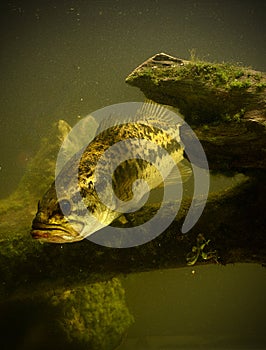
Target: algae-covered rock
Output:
[(203, 91), (93, 316), (224, 103)]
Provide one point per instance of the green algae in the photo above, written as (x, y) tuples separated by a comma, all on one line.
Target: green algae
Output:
[(204, 92), (94, 315), (216, 75)]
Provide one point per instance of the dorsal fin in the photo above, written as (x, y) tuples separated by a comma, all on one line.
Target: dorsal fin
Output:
[(151, 110), (147, 112)]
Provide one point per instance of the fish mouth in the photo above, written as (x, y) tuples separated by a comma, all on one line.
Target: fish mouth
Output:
[(54, 234)]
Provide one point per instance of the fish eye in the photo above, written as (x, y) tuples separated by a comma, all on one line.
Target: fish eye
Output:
[(65, 206)]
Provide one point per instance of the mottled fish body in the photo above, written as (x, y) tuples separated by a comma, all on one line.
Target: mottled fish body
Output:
[(65, 219)]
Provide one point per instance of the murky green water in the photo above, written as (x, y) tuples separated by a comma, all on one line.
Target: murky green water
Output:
[(197, 308), (65, 59)]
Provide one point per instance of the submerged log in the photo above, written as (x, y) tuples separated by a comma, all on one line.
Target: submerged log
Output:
[(224, 104)]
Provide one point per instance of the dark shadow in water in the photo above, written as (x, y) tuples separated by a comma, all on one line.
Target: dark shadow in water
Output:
[(30, 326)]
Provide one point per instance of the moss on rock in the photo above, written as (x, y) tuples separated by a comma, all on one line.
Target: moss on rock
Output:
[(94, 315), (204, 92)]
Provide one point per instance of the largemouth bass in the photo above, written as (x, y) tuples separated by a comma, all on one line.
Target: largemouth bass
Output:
[(64, 218)]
